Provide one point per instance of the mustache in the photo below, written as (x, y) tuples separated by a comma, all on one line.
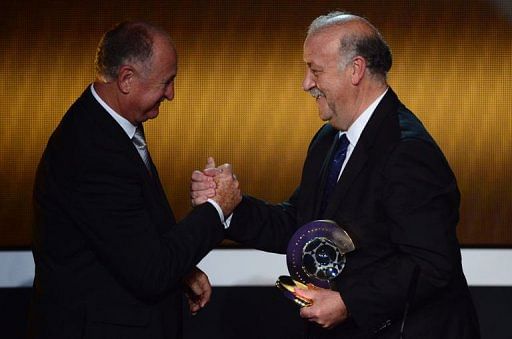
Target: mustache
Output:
[(316, 93)]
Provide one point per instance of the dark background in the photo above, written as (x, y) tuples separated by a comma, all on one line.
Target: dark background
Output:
[(261, 313)]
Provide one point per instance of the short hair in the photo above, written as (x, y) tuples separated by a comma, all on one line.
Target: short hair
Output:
[(127, 42), (372, 47)]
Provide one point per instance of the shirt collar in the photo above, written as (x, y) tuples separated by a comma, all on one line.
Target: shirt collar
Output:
[(123, 122), (356, 129)]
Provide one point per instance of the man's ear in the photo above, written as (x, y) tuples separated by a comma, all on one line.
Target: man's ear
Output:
[(358, 70), (125, 78)]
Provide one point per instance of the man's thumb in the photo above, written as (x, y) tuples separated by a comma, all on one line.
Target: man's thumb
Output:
[(210, 162)]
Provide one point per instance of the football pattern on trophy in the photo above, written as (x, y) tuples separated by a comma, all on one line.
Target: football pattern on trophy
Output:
[(316, 252), (322, 259)]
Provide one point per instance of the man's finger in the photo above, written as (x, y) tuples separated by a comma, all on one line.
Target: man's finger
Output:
[(194, 307), (207, 294), (210, 162), (205, 192), (211, 172), (202, 189), (198, 176), (306, 313), (195, 289)]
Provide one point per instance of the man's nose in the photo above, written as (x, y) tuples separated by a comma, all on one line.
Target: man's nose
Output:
[(169, 92), (308, 82)]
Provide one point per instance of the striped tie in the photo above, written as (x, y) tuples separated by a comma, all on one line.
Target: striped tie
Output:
[(140, 143)]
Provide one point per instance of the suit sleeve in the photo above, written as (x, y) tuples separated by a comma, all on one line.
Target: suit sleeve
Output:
[(103, 196), (420, 204), (264, 226)]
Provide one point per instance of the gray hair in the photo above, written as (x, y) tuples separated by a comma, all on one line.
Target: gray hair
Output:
[(127, 42), (372, 47)]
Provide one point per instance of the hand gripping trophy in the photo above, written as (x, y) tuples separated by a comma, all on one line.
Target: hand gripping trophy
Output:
[(315, 255)]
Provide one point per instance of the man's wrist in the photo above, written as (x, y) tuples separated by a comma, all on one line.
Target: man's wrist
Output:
[(224, 221), (218, 208)]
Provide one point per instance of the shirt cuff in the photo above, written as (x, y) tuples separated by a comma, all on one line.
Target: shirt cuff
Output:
[(228, 221), (225, 222)]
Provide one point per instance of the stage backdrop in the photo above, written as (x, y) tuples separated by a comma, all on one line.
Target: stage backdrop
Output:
[(239, 96)]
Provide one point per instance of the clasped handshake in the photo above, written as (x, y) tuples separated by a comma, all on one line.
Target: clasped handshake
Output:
[(218, 184)]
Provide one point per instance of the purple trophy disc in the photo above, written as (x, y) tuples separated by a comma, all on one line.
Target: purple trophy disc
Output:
[(316, 252)]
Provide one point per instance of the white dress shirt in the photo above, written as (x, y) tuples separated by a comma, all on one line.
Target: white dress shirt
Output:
[(354, 131)]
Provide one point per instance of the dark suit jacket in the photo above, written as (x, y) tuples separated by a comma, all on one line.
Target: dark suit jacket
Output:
[(398, 200), (109, 255)]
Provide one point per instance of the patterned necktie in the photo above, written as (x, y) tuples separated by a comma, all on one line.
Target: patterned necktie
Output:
[(140, 143), (340, 152)]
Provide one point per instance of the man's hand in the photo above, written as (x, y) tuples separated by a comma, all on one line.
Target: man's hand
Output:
[(328, 308), (202, 186), (217, 183), (198, 290), (227, 191)]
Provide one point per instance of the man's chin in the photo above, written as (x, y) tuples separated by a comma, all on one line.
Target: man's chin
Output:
[(323, 115), (323, 110), (152, 114)]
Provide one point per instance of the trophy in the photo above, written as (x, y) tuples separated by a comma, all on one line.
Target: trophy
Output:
[(315, 255)]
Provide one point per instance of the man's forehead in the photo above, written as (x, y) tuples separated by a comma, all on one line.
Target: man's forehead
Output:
[(322, 43), (329, 35)]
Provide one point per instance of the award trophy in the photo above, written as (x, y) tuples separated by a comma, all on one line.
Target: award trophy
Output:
[(315, 255)]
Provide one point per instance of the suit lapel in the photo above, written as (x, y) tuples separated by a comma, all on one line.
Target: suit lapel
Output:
[(157, 184), (359, 157), (353, 167), (121, 142), (114, 133), (319, 192), (313, 173)]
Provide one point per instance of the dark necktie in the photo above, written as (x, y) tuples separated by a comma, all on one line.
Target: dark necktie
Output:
[(140, 143), (337, 159)]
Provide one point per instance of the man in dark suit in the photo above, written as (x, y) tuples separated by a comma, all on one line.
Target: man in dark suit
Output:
[(394, 194), (111, 261)]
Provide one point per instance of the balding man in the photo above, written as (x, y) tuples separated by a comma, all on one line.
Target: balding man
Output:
[(375, 170), (111, 261)]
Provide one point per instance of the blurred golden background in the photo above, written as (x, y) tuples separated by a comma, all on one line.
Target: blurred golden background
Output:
[(239, 96)]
